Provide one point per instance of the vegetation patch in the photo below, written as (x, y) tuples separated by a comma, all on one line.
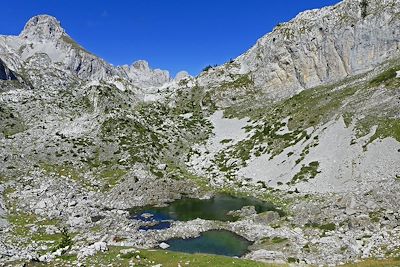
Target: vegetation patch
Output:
[(65, 240), (387, 78), (305, 173), (10, 122), (323, 227), (112, 176), (244, 81), (385, 127)]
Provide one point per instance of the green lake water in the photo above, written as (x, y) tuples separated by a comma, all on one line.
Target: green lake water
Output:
[(215, 208), (219, 242)]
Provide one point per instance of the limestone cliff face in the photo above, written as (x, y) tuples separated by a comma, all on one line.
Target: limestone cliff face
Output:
[(318, 47)]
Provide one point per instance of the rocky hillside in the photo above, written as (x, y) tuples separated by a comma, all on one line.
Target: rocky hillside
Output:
[(308, 119)]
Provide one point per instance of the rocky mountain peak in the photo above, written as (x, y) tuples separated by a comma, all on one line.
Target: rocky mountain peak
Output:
[(142, 65), (182, 75), (142, 75), (42, 27)]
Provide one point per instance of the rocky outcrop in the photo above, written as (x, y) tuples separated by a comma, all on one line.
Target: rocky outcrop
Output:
[(142, 75), (42, 28), (5, 72), (182, 75), (3, 213)]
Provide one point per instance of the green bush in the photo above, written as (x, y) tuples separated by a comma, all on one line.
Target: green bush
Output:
[(66, 240)]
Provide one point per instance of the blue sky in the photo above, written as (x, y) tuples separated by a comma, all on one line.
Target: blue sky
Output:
[(174, 35)]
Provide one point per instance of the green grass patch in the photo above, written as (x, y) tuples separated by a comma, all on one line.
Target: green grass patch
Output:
[(386, 127), (242, 82), (306, 172), (10, 122), (168, 259), (20, 222), (274, 240), (62, 170), (387, 78), (112, 176), (323, 227), (310, 108)]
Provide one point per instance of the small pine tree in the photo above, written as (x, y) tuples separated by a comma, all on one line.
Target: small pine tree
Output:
[(364, 7), (66, 240)]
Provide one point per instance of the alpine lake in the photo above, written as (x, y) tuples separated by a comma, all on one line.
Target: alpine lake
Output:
[(217, 208)]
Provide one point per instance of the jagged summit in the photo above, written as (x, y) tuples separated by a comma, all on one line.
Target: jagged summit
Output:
[(142, 75), (42, 27), (141, 65), (182, 75)]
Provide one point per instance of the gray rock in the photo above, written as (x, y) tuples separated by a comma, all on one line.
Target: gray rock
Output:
[(163, 245), (266, 256), (246, 211), (267, 217), (182, 75), (162, 167), (143, 76)]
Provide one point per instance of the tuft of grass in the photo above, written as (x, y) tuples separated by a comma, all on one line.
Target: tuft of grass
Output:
[(375, 216), (323, 227)]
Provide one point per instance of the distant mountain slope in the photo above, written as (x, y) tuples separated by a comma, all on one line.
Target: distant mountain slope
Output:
[(43, 38)]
